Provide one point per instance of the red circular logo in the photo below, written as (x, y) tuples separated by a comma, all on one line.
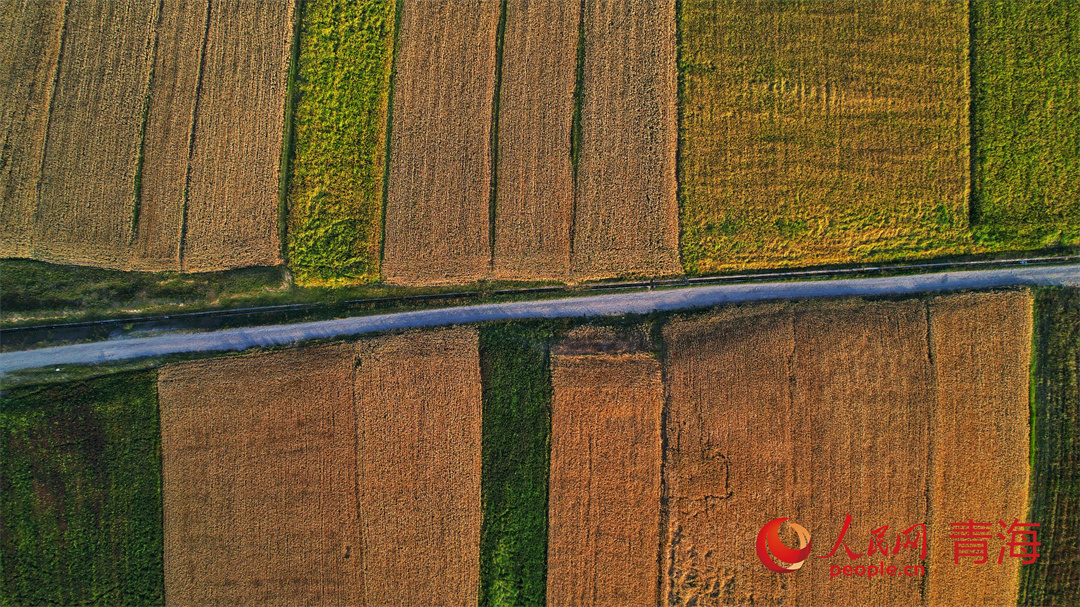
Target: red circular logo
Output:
[(768, 541)]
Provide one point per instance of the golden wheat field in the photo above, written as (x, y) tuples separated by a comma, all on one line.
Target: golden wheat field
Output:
[(534, 206), (604, 504), (437, 210)]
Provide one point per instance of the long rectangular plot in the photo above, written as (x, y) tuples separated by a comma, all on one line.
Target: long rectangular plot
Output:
[(232, 197), (259, 480), (627, 214), (604, 504), (438, 206), (535, 198), (418, 409), (87, 191), (29, 49)]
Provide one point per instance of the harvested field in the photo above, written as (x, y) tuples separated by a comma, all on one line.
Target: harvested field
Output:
[(29, 46), (1025, 73), (86, 201), (231, 214), (438, 205), (260, 477), (823, 132), (604, 506), (170, 116), (979, 438), (80, 493), (626, 219), (335, 198), (535, 197)]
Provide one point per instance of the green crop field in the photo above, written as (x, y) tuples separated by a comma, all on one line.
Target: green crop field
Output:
[(1055, 424), (517, 430), (80, 493), (1026, 123), (334, 220)]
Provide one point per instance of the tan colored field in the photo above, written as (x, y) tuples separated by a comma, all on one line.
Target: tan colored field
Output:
[(823, 132), (181, 32), (535, 198), (29, 46), (818, 411), (259, 480), (604, 500), (87, 196), (232, 198), (437, 213), (418, 413), (981, 348), (627, 214)]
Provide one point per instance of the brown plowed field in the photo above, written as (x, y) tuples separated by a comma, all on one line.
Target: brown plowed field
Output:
[(232, 204), (29, 46), (535, 198), (627, 214), (437, 213), (815, 412), (418, 410), (167, 142), (87, 195), (981, 346), (259, 480), (604, 500)]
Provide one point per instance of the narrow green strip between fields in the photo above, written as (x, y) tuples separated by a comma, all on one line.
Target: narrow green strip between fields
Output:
[(1054, 577), (287, 146), (80, 493), (500, 36), (516, 449), (387, 145)]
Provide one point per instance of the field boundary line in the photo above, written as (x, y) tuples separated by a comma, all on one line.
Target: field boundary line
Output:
[(191, 139)]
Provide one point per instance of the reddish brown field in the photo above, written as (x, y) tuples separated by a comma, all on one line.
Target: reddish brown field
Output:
[(437, 213), (535, 199), (604, 500), (29, 46), (418, 413), (259, 480), (627, 213)]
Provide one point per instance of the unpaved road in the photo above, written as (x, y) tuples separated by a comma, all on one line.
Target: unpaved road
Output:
[(600, 305)]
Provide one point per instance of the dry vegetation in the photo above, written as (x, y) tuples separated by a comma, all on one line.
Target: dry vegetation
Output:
[(604, 505), (820, 411), (822, 132), (29, 47), (626, 219), (259, 480), (981, 348), (535, 198), (418, 407), (437, 210)]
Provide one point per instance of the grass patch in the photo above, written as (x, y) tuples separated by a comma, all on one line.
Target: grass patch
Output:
[(516, 446), (1025, 123), (80, 480), (335, 199), (1054, 577)]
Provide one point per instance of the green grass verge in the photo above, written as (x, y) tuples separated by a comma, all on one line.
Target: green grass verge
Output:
[(1054, 577), (343, 82), (516, 434), (80, 493), (1025, 122)]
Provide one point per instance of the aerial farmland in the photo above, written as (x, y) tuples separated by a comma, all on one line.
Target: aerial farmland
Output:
[(539, 302)]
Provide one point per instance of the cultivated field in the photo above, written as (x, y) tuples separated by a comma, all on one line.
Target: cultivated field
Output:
[(418, 405), (259, 469), (534, 206), (979, 436), (29, 47), (822, 132), (626, 219), (604, 508), (335, 197), (437, 210)]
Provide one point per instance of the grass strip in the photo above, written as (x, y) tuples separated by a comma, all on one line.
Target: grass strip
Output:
[(80, 493)]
